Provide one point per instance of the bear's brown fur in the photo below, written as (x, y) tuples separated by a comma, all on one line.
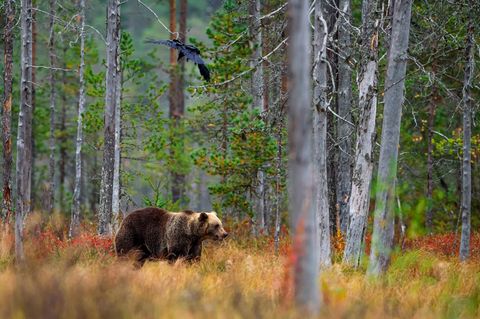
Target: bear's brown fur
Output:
[(154, 233)]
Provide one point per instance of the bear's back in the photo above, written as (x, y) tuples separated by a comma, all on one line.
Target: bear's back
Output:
[(144, 218)]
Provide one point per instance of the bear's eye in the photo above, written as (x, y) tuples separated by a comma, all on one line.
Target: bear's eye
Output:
[(217, 226)]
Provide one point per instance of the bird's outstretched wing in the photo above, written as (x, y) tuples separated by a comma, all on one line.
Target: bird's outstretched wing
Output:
[(192, 56), (169, 43), (190, 52)]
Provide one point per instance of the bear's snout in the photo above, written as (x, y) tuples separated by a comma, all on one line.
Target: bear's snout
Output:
[(222, 236)]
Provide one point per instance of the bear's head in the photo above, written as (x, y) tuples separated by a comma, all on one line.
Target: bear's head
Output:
[(210, 226)]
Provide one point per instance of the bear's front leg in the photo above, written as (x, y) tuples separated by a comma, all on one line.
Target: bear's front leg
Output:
[(175, 252), (195, 251)]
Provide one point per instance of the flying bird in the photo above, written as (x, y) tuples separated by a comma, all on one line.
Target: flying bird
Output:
[(188, 51)]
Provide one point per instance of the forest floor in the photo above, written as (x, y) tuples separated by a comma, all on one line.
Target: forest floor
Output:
[(239, 278)]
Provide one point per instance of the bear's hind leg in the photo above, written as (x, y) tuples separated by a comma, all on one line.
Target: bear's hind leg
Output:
[(142, 254)]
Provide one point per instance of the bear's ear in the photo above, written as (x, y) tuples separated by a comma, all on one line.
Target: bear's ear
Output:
[(203, 217)]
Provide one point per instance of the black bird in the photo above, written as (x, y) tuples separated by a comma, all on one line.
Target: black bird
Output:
[(191, 53)]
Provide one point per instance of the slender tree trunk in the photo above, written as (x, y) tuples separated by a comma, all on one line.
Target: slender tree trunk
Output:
[(177, 179), (300, 169), (383, 227), (30, 141), (7, 109), (363, 162), (344, 101), (51, 162), (75, 219), (330, 13), (24, 155), (321, 105), (106, 188), (467, 135), (118, 156), (258, 102)]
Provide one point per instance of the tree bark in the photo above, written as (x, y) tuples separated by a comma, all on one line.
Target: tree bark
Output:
[(321, 105), (330, 12), (51, 160), (383, 227), (177, 180), (300, 169), (363, 163), (178, 188), (344, 102), (467, 135), (24, 154), (117, 155), (75, 219), (30, 141), (106, 188), (7, 109), (259, 103)]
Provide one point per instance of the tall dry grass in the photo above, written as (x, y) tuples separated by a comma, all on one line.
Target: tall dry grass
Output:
[(240, 278)]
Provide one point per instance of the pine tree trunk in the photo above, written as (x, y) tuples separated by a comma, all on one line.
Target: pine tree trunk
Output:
[(467, 135), (320, 103), (258, 102), (179, 178), (363, 161), (383, 227), (30, 141), (7, 109), (300, 169), (24, 155), (75, 219), (51, 161), (344, 101), (118, 156), (330, 14), (106, 187)]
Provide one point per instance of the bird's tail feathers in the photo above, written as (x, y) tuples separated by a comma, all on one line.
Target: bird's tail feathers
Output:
[(204, 72)]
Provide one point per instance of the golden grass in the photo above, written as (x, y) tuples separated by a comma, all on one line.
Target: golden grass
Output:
[(235, 279)]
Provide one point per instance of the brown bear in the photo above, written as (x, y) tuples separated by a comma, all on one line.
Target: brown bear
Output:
[(154, 233)]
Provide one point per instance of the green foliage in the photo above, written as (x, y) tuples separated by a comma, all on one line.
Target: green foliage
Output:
[(250, 149), (434, 76), (162, 202), (412, 264), (238, 141)]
